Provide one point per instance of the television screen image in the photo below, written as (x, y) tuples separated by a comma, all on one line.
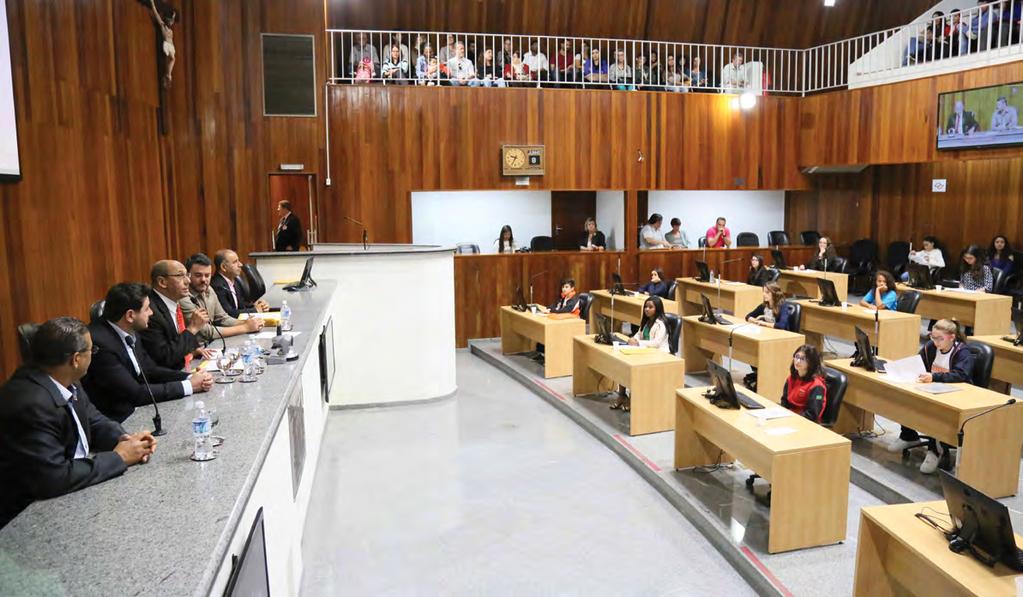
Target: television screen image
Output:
[(983, 117)]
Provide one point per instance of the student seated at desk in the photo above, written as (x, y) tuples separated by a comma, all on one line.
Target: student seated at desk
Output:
[(657, 286), (947, 360), (1000, 255), (825, 259), (652, 333), (883, 296), (772, 312), (930, 256), (974, 274), (505, 242), (758, 273), (805, 392), (568, 303)]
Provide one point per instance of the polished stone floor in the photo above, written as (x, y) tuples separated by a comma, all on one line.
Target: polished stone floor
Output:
[(492, 492)]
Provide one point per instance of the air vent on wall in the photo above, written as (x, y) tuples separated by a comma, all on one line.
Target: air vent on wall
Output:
[(850, 169)]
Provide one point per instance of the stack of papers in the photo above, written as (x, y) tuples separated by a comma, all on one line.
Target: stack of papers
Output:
[(938, 388), (769, 413), (906, 370)]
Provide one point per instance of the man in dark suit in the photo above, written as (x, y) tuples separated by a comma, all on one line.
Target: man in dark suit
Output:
[(961, 122), (121, 368), (52, 439), (230, 286), (289, 230), (169, 340)]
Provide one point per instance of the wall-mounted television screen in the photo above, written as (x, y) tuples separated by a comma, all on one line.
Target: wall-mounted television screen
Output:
[(983, 117)]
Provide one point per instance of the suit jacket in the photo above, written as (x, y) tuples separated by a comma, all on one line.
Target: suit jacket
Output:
[(38, 439), (233, 304), (289, 234), (164, 344), (969, 122), (112, 379), (218, 316)]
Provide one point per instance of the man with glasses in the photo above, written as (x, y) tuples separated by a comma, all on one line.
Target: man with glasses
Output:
[(52, 439), (171, 339), (202, 299)]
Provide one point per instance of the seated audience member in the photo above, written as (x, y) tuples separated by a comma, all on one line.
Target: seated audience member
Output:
[(1005, 117), (516, 71), (974, 273), (360, 52), (674, 78), (805, 392), (651, 237), (201, 297), (718, 235), (423, 63), (656, 72), (396, 41), (657, 286), (231, 288), (733, 75), (929, 257), (447, 52), (536, 61), (771, 313), (568, 303), (758, 272), (651, 333), (505, 242), (595, 69), (395, 68), (460, 69), (487, 72), (49, 427), (641, 73), (825, 259), (697, 76), (504, 57), (365, 71), (168, 339), (882, 297), (676, 236), (1000, 256), (947, 360), (562, 61), (592, 239), (121, 368), (620, 73)]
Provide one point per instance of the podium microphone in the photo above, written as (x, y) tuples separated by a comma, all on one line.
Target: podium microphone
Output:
[(365, 232), (961, 434), (157, 421), (531, 278)]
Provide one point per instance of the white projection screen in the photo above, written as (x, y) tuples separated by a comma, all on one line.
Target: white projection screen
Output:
[(10, 168)]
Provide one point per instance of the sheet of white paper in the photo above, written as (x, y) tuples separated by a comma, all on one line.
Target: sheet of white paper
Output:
[(751, 330), (271, 334), (779, 431), (937, 388), (767, 414), (905, 370), (960, 290), (272, 315)]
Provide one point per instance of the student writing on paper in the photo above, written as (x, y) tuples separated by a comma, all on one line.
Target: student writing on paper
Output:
[(947, 360), (771, 313), (805, 392), (652, 333), (882, 297), (974, 274)]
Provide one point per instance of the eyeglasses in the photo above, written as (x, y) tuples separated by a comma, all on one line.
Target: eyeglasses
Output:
[(939, 338), (179, 275), (799, 357)]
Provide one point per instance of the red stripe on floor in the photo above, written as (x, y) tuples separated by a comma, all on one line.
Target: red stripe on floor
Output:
[(770, 576), (550, 390), (649, 463)]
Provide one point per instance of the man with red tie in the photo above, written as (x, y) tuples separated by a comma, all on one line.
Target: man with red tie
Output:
[(169, 339)]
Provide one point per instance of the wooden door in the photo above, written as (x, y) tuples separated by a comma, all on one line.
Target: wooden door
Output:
[(298, 189), (569, 209)]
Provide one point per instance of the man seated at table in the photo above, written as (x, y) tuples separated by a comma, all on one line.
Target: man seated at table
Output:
[(718, 235), (53, 441), (201, 297), (230, 287), (169, 340)]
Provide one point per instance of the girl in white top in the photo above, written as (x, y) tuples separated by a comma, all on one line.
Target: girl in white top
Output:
[(505, 242), (930, 256), (653, 329)]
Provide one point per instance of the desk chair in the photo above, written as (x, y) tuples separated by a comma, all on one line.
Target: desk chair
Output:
[(255, 286), (541, 243), (862, 256), (26, 332), (809, 237), (702, 242), (778, 238), (585, 299), (747, 239), (773, 274), (908, 302), (897, 257), (674, 330), (671, 290), (96, 311), (467, 248)]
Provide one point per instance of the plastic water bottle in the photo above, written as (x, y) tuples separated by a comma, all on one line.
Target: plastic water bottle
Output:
[(713, 278), (285, 316), (201, 428)]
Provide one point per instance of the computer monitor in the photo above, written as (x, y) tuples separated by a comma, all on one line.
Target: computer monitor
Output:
[(708, 315), (617, 287), (864, 352), (307, 278), (981, 522), (249, 576), (520, 300), (703, 272), (829, 296), (919, 276), (604, 330), (779, 259), (723, 394), (1017, 320)]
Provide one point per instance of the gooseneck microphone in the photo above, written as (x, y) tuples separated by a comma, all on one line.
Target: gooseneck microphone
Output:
[(961, 434), (365, 232), (202, 305), (157, 420), (531, 278)]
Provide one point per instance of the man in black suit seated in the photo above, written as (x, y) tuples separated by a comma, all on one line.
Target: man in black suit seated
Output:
[(230, 286), (202, 298), (122, 368), (52, 439), (169, 340), (289, 230)]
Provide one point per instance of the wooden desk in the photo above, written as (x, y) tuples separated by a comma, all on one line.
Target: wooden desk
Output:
[(521, 331), (898, 554), (627, 308), (991, 448), (808, 469), (768, 349), (1008, 365), (652, 379), (899, 332), (987, 313), (738, 297), (804, 283)]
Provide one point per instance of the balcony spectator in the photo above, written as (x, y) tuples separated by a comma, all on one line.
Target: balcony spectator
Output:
[(361, 49), (397, 41), (447, 52), (461, 70), (620, 73), (395, 68), (504, 57), (656, 72), (563, 61), (733, 75), (433, 74), (364, 72), (673, 76), (423, 63), (515, 72), (641, 73), (470, 50), (536, 61), (983, 31), (417, 49), (1012, 14), (697, 76), (960, 42), (487, 71), (595, 69)]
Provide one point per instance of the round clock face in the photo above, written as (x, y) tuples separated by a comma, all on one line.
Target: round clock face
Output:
[(515, 158)]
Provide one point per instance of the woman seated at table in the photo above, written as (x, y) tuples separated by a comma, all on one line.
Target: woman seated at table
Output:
[(974, 274), (1000, 255), (758, 272), (505, 242), (805, 392), (652, 333), (825, 259), (771, 313), (657, 286), (592, 239), (929, 257), (947, 360), (882, 297)]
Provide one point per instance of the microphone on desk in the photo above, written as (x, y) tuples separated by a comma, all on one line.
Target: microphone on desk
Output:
[(531, 278), (365, 232), (157, 421), (730, 334), (202, 305), (961, 434)]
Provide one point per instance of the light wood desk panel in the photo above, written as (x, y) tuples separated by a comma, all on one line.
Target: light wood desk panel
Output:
[(804, 283), (899, 332), (737, 297), (520, 332), (987, 313), (768, 349), (651, 378), (991, 447), (1008, 364), (807, 467), (626, 307), (898, 554)]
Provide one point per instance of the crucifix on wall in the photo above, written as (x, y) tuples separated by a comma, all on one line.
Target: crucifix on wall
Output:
[(164, 21)]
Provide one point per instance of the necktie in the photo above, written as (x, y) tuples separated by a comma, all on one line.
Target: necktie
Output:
[(179, 316), (82, 450)]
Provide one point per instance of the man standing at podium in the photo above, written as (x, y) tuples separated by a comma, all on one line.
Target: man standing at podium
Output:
[(289, 230)]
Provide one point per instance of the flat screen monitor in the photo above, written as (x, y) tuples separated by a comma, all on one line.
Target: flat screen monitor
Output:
[(981, 521), (708, 315), (919, 276), (981, 117), (703, 272), (617, 286), (249, 577), (307, 277), (1017, 320), (724, 388), (829, 296), (779, 259), (10, 165), (864, 352), (520, 300)]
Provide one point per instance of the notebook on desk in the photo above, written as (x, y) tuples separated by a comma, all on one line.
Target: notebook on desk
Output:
[(937, 388)]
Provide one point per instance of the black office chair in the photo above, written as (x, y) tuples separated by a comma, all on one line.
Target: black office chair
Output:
[(255, 286), (809, 237), (26, 332), (862, 257), (467, 249), (777, 238), (747, 239), (674, 330), (837, 383), (795, 315), (541, 243), (998, 280), (908, 302), (585, 299), (701, 242), (96, 311), (897, 257), (671, 290), (773, 274)]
